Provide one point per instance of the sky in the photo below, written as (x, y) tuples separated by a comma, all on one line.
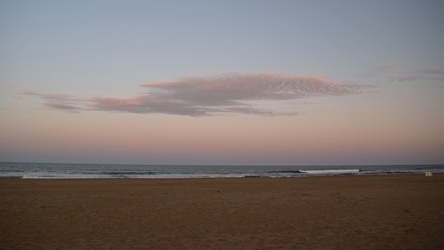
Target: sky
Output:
[(222, 82)]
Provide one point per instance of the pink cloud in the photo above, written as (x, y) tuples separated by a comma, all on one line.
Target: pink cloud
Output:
[(254, 86), (209, 95)]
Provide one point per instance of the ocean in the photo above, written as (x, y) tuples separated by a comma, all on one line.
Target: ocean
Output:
[(99, 171)]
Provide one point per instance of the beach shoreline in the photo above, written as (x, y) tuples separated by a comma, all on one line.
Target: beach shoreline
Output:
[(344, 212)]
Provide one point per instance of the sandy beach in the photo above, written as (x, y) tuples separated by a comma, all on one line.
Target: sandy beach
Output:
[(346, 212)]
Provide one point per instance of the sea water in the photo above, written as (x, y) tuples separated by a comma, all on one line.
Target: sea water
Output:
[(85, 171)]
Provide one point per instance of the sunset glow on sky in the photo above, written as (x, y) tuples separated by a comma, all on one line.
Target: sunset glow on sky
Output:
[(222, 82)]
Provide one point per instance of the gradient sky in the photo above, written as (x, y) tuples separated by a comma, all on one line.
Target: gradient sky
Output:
[(222, 82)]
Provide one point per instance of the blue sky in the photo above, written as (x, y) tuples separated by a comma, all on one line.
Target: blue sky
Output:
[(90, 62)]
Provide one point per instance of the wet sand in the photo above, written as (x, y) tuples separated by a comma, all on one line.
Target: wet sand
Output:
[(347, 212)]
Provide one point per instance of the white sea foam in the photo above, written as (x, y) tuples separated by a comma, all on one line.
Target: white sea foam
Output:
[(330, 171)]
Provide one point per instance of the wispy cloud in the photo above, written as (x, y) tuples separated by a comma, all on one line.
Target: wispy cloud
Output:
[(208, 95), (438, 71), (396, 73), (47, 96), (56, 100), (405, 78)]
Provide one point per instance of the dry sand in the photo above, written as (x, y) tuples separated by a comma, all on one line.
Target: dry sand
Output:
[(353, 212)]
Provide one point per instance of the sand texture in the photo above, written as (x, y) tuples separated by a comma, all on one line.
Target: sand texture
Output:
[(349, 212)]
